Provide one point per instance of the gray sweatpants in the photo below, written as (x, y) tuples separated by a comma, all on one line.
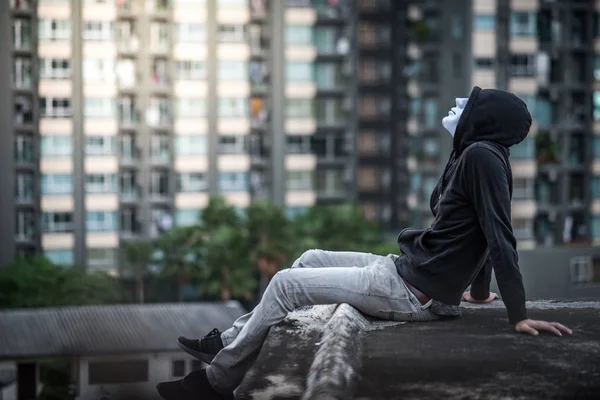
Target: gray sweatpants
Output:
[(365, 281)]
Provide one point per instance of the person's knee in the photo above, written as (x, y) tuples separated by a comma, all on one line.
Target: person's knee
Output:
[(306, 259)]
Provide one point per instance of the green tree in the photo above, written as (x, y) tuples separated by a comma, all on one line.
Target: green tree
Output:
[(138, 258), (180, 255), (227, 270), (36, 282), (338, 228), (219, 213), (271, 237)]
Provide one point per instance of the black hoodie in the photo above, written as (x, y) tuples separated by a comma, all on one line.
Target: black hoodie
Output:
[(471, 205)]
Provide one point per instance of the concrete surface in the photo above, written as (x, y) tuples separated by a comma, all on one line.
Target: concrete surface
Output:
[(477, 356)]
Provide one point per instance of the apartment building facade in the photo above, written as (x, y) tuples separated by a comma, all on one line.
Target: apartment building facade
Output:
[(124, 116)]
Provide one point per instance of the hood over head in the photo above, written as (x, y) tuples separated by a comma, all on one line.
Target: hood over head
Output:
[(492, 115)]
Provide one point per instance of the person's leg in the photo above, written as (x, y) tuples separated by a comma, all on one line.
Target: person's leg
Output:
[(375, 290), (309, 259)]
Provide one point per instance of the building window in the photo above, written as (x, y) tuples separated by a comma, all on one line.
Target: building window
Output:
[(99, 107), (127, 110), (58, 107), (101, 221), (115, 372), (24, 187), (55, 68), (231, 33), (189, 32), (25, 225), (178, 368), (21, 34), (330, 183), (125, 73), (159, 148), (60, 257), (370, 35), (159, 183), (595, 187), (232, 71), (101, 183), (101, 145), (127, 185), (22, 77), (98, 30), (57, 222), (523, 23), (484, 63), (191, 182), (299, 71), (522, 65), (233, 144), (430, 112), (233, 107), (328, 76), (53, 184), (160, 113), (596, 103), (301, 35), (99, 70), (298, 144), (596, 147), (54, 29), (299, 108), (159, 37), (233, 181), (127, 40), (190, 145), (191, 107), (24, 149), (56, 146), (187, 217), (325, 40), (524, 150), (484, 22), (523, 189), (329, 111), (102, 257), (127, 148), (190, 70), (299, 180), (595, 225), (160, 72)]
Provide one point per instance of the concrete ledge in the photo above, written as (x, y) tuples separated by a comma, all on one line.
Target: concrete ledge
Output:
[(330, 352), (334, 371)]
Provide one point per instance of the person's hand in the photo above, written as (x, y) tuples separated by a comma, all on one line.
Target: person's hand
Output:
[(467, 297), (534, 327)]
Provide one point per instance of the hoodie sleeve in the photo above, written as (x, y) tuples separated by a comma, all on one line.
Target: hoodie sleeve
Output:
[(486, 177), (480, 288)]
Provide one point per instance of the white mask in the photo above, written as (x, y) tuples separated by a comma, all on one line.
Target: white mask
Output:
[(450, 122)]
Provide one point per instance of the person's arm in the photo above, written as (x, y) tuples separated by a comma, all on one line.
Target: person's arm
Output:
[(487, 184), (480, 287)]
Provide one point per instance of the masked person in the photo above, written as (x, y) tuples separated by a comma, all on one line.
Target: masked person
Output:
[(470, 233)]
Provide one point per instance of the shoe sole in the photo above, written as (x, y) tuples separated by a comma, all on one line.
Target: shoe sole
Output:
[(204, 357)]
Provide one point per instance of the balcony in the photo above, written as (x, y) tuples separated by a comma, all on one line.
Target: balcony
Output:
[(128, 46), (129, 157), (21, 6), (333, 12), (130, 195)]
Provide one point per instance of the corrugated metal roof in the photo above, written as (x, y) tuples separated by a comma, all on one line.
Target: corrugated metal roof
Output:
[(130, 328)]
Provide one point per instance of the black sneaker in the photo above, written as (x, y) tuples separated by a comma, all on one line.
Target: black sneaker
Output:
[(193, 387), (204, 349)]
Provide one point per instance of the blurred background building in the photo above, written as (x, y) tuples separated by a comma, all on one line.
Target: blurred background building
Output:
[(121, 117)]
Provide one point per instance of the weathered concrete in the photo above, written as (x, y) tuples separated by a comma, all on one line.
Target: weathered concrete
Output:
[(477, 356), (336, 368)]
